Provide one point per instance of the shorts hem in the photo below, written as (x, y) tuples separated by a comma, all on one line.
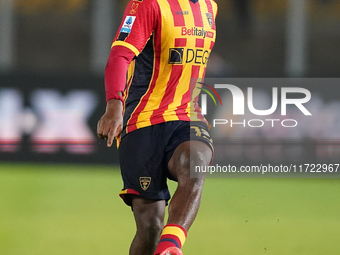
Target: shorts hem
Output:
[(128, 192)]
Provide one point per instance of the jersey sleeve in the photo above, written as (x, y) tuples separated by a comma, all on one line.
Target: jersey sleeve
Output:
[(115, 72), (139, 21)]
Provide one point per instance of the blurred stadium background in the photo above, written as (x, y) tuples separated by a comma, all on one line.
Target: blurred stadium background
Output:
[(59, 183)]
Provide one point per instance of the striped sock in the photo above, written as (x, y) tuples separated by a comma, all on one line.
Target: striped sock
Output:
[(172, 236)]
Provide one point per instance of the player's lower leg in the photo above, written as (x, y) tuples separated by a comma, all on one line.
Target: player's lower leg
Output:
[(149, 216), (185, 203)]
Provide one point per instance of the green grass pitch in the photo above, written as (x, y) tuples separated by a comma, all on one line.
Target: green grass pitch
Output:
[(75, 210)]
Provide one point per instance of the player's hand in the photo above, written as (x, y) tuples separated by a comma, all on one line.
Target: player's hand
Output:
[(110, 124)]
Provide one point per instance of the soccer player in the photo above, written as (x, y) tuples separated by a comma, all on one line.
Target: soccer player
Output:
[(158, 55)]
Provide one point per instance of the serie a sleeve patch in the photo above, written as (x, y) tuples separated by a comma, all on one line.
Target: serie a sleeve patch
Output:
[(128, 23)]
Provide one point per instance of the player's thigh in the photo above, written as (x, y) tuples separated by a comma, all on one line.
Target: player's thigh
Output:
[(149, 214), (188, 155)]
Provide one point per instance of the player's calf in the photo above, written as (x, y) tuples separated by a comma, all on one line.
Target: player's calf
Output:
[(149, 216)]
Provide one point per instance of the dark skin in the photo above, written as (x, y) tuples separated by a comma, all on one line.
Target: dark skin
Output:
[(184, 205), (110, 124)]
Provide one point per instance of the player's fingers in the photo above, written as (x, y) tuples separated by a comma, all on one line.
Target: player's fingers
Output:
[(100, 130), (110, 138), (104, 129), (98, 127), (103, 137), (119, 130)]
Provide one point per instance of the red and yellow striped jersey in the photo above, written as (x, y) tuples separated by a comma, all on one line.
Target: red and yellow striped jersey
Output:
[(172, 41)]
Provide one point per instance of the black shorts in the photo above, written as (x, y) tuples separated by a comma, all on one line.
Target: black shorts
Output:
[(144, 155)]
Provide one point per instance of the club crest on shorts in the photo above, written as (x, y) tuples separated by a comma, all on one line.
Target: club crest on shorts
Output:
[(210, 19), (145, 182)]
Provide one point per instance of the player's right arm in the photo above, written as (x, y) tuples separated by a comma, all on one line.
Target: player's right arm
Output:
[(110, 124), (140, 19)]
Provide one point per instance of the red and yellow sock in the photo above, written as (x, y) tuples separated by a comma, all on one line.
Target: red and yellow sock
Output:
[(172, 236)]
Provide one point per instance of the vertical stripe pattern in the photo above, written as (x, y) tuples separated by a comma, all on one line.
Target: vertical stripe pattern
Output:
[(182, 42)]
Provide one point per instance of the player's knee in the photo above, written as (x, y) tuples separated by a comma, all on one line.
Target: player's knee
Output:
[(150, 222), (199, 158), (198, 153), (150, 230), (184, 161), (152, 225), (191, 158)]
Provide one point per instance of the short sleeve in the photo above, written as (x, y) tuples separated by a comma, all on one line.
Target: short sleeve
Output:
[(139, 21)]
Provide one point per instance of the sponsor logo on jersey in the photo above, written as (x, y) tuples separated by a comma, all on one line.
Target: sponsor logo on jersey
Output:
[(128, 23), (195, 31), (179, 56), (176, 55), (145, 182)]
